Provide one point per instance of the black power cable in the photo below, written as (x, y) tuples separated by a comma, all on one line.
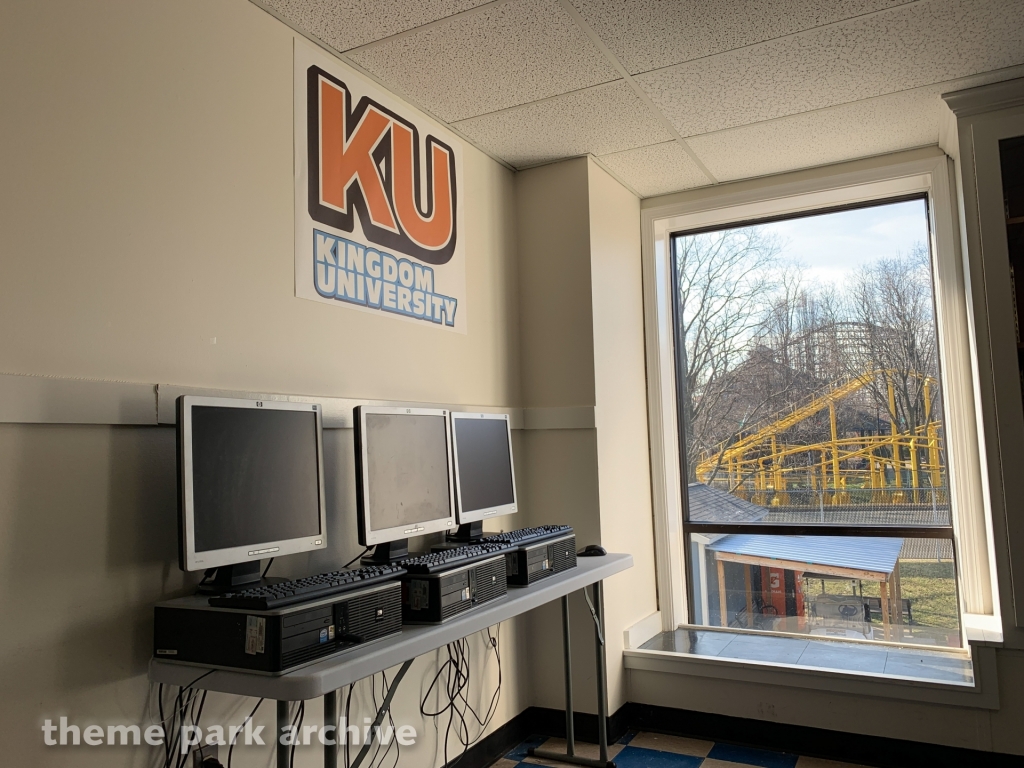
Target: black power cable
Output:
[(346, 565), (247, 719), (300, 714), (385, 690), (178, 722), (455, 672), (183, 701), (195, 717), (373, 698), (163, 722), (378, 758), (493, 705), (454, 682), (348, 722), (390, 729)]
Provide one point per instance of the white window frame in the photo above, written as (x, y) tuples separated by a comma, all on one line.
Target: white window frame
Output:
[(921, 171)]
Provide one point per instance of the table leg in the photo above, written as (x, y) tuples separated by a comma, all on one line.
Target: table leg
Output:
[(602, 680), (283, 722), (570, 736), (569, 756), (331, 720)]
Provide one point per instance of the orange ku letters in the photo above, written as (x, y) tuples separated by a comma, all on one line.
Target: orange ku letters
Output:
[(347, 163)]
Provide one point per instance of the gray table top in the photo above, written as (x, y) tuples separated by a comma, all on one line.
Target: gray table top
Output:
[(349, 666)]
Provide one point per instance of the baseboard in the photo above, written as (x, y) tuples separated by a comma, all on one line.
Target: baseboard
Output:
[(813, 742), (551, 722)]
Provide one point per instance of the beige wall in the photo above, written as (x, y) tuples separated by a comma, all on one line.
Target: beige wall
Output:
[(623, 452), (557, 354), (145, 208), (556, 324), (581, 309)]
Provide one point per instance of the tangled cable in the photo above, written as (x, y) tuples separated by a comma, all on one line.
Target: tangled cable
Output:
[(188, 709), (247, 719), (456, 671), (451, 681), (378, 758)]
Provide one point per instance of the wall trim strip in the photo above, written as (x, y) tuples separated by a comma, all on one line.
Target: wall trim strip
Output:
[(28, 399), (52, 400)]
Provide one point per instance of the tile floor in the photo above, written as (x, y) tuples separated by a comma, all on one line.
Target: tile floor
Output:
[(655, 750), (919, 664)]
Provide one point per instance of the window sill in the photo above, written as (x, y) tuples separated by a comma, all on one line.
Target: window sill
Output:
[(763, 670), (982, 629)]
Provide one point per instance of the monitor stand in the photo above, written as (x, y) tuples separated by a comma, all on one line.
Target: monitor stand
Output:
[(234, 578), (389, 552), (467, 533)]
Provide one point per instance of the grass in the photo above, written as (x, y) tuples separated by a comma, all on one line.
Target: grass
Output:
[(929, 585)]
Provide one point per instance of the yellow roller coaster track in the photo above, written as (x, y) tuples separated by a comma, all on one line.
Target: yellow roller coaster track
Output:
[(892, 467)]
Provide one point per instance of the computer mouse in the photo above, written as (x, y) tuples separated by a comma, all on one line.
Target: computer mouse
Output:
[(592, 550)]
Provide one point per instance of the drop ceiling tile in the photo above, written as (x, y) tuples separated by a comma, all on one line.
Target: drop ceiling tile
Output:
[(501, 56), (861, 129), (649, 34), (344, 24), (898, 49), (607, 118), (656, 170), (889, 123)]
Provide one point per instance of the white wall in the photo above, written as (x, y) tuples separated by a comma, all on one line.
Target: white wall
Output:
[(145, 208)]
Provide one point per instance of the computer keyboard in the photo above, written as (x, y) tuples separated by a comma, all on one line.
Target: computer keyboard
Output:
[(444, 559), (309, 588), (527, 535)]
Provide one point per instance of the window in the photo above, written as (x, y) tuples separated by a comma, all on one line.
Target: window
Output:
[(813, 547), (807, 377)]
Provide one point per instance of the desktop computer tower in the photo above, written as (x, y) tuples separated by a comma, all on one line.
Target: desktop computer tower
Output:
[(433, 598), (191, 631), (533, 562)]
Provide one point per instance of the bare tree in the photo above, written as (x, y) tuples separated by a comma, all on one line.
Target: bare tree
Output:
[(893, 301), (724, 286), (755, 339)]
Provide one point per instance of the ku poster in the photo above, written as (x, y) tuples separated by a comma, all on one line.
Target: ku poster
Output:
[(378, 200)]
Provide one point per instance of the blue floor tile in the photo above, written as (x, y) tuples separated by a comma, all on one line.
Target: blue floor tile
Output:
[(627, 738), (519, 753), (750, 756), (635, 757)]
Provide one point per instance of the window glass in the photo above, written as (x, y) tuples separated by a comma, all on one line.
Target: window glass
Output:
[(895, 589), (811, 413)]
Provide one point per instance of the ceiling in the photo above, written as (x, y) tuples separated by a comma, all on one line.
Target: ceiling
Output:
[(676, 94)]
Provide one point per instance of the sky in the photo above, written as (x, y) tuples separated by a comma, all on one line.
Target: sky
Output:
[(832, 246)]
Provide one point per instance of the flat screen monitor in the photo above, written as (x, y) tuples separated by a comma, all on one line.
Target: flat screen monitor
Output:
[(484, 477), (404, 483), (251, 480)]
